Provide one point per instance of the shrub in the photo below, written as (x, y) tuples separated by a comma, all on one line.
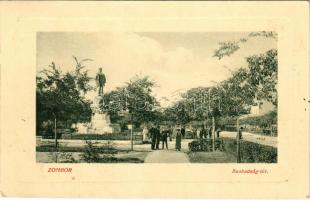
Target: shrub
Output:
[(90, 153), (112, 136), (194, 146), (205, 145), (251, 152), (51, 148), (66, 157)]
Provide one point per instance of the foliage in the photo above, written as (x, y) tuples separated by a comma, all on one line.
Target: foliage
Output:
[(66, 157), (125, 135), (205, 145), (90, 153), (267, 34), (232, 97), (237, 94), (263, 75), (251, 152), (179, 113), (60, 95), (261, 121), (194, 146), (135, 99), (105, 149), (227, 48), (211, 157)]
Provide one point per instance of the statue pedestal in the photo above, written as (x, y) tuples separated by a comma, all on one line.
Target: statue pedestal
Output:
[(100, 124), (100, 121)]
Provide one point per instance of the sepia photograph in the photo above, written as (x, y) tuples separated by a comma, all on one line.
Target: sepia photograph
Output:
[(156, 97)]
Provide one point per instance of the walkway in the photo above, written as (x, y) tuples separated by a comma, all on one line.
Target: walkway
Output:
[(166, 156)]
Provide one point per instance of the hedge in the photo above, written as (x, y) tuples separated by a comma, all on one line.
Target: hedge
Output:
[(113, 136), (51, 148), (205, 145), (251, 152)]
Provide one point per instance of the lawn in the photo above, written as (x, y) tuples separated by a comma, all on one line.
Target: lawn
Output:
[(211, 157), (77, 157)]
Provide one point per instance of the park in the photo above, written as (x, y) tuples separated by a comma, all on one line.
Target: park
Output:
[(81, 118)]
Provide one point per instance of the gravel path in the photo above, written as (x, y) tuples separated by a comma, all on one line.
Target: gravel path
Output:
[(166, 156)]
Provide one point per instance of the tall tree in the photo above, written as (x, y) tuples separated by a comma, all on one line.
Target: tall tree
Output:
[(135, 97), (59, 96), (263, 75)]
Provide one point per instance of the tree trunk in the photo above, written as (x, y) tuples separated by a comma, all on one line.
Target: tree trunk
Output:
[(55, 131), (131, 133), (213, 133), (238, 142)]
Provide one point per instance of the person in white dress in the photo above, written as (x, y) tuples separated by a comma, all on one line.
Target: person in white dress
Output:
[(145, 133)]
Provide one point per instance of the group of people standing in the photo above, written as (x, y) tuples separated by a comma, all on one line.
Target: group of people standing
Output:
[(158, 134)]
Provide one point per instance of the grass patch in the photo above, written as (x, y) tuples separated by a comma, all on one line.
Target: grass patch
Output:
[(112, 159), (90, 153), (51, 148), (112, 136)]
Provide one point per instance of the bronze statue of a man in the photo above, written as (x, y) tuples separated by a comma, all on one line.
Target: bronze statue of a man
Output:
[(100, 80)]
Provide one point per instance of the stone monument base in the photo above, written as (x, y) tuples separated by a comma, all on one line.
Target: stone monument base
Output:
[(100, 121), (101, 124)]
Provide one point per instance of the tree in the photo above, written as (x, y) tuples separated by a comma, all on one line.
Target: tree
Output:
[(263, 75), (227, 48), (135, 97), (237, 93), (59, 96)]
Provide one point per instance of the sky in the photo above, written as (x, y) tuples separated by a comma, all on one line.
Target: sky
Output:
[(176, 61)]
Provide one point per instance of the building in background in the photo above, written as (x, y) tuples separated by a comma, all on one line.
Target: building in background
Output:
[(262, 107)]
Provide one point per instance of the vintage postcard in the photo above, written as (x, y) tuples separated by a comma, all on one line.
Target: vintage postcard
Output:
[(195, 99)]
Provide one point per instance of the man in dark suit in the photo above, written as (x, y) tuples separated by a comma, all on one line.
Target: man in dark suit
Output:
[(164, 138), (100, 80), (183, 132), (153, 137), (158, 136)]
